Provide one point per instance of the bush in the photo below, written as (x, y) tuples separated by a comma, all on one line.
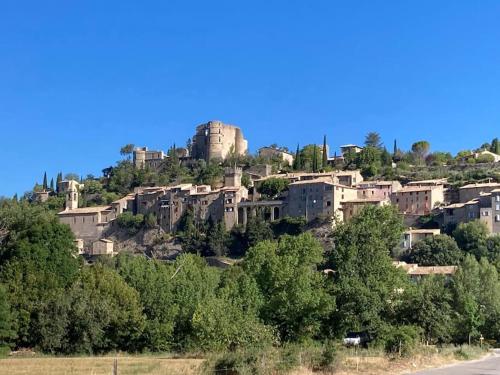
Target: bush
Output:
[(130, 222), (401, 339)]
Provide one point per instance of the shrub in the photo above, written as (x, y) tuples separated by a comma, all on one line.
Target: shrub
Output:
[(130, 222), (401, 339)]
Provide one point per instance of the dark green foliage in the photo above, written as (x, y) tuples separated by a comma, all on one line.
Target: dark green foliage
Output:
[(272, 187), (130, 222), (257, 230), (295, 294), (366, 283), (440, 250), (45, 184), (217, 238), (401, 340), (429, 305), (324, 160), (289, 225), (472, 238), (373, 139), (7, 332), (495, 146)]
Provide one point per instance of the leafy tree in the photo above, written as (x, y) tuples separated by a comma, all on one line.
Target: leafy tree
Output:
[(428, 306), (230, 319), (420, 149), (218, 238), (309, 156), (295, 294), (257, 230), (367, 285), (471, 237), (374, 140), (440, 250), (7, 332), (127, 150), (272, 187), (130, 222), (466, 289), (105, 313), (289, 225), (369, 161), (153, 281), (495, 146)]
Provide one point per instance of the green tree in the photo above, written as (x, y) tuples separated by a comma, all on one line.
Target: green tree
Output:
[(272, 187), (45, 184), (420, 150), (374, 140), (127, 150), (257, 230), (324, 160), (367, 286), (471, 237), (495, 146), (297, 162), (218, 238), (7, 332), (369, 161), (466, 289), (428, 305), (296, 300), (105, 313), (440, 250)]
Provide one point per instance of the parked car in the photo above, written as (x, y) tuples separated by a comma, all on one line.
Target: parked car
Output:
[(356, 339)]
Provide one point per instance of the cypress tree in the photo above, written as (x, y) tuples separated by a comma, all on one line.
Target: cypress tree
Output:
[(325, 154), (495, 146), (45, 185), (395, 151), (58, 181), (296, 161), (315, 159), (52, 184)]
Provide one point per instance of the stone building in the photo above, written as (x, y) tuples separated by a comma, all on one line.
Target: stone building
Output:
[(275, 152), (418, 200), (471, 191), (317, 198), (411, 236), (102, 247), (142, 158), (377, 189), (216, 140)]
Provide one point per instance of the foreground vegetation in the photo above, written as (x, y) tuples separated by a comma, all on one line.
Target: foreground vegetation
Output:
[(276, 300)]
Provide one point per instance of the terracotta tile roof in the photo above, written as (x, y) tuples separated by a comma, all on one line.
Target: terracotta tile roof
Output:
[(85, 210)]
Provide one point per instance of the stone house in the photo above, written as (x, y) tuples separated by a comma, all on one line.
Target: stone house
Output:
[(418, 200), (377, 189), (318, 198), (274, 152), (471, 191), (412, 236)]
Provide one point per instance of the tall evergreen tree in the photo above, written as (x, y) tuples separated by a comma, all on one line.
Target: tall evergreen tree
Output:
[(315, 159), (325, 154), (395, 150), (495, 146), (52, 184), (45, 185), (58, 181), (297, 161)]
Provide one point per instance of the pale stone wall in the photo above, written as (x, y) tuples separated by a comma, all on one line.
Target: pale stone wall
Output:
[(215, 140), (418, 200)]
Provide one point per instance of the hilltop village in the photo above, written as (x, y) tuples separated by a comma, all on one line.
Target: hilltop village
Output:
[(275, 190)]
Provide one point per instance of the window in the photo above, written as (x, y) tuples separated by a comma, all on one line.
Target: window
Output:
[(328, 203), (497, 198), (497, 218), (486, 213), (497, 207), (229, 209), (342, 196)]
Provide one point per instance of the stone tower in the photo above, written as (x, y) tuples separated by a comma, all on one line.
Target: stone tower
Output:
[(215, 140), (232, 177), (71, 190)]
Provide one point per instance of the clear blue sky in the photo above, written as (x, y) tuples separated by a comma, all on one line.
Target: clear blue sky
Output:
[(79, 79)]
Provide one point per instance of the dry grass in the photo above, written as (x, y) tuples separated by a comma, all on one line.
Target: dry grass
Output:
[(99, 366)]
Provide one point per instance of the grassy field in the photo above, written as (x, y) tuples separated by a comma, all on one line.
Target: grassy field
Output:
[(366, 362), (98, 366)]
